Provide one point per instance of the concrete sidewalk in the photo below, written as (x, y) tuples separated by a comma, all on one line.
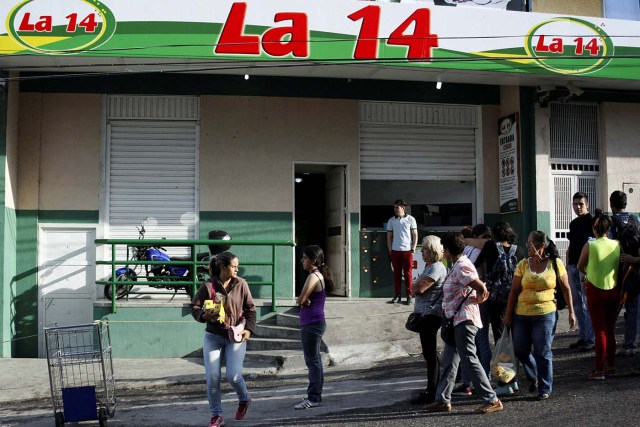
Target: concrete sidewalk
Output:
[(24, 379)]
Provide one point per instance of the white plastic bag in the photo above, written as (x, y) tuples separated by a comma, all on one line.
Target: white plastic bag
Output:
[(504, 366)]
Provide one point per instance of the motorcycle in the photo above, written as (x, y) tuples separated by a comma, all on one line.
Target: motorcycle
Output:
[(159, 275)]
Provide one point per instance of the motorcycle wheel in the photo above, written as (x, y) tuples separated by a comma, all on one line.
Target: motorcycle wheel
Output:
[(121, 290)]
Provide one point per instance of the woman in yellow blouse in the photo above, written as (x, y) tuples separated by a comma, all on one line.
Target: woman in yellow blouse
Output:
[(531, 310), (599, 260)]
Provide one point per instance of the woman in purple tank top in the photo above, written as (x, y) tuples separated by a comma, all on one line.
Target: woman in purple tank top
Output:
[(312, 323)]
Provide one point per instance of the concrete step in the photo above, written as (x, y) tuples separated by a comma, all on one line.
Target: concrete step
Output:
[(275, 331), (279, 360), (261, 344), (291, 320)]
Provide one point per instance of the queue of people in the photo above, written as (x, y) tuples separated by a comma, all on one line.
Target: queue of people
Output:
[(512, 291)]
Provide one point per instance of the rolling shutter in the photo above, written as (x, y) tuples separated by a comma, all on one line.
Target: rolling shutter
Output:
[(152, 167), (417, 142)]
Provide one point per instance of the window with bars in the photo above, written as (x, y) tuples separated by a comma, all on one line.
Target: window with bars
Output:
[(574, 163), (574, 132)]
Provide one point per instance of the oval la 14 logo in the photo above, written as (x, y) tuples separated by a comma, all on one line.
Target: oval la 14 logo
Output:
[(569, 46), (61, 27)]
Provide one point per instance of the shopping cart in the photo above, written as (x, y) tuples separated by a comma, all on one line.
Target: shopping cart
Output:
[(81, 372)]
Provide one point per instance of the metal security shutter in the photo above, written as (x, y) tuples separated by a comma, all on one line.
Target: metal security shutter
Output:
[(417, 142), (152, 167)]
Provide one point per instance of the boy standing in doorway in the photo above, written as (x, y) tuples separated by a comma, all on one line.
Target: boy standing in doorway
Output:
[(402, 239), (580, 229)]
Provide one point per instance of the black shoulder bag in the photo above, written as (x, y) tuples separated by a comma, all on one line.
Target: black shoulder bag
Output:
[(446, 332)]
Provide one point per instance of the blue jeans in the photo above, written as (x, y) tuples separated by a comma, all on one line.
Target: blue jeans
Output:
[(214, 347), (536, 331), (311, 339), (464, 352), (630, 323), (579, 297)]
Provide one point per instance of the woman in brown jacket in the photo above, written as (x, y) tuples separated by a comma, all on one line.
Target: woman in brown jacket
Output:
[(234, 305)]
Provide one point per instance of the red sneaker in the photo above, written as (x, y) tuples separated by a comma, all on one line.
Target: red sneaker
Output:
[(216, 421), (242, 409)]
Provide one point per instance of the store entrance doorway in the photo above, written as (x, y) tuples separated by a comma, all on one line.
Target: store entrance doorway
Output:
[(321, 219)]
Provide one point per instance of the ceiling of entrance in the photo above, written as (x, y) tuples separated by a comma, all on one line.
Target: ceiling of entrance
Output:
[(377, 71)]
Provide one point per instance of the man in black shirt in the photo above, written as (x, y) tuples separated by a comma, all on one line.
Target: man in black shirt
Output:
[(580, 229)]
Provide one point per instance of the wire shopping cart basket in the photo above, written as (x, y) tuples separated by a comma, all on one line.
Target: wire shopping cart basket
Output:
[(81, 372)]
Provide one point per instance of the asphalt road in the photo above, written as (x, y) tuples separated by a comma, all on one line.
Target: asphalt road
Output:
[(377, 396)]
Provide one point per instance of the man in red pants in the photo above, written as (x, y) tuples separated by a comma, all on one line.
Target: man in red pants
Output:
[(402, 238)]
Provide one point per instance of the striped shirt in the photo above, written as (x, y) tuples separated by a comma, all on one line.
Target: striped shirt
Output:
[(538, 289)]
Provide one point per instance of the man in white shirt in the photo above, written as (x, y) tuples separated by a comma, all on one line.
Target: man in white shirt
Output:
[(402, 238)]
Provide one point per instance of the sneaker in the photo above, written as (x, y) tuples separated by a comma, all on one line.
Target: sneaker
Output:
[(490, 407), (587, 346), (438, 407), (216, 421), (625, 352), (242, 409), (505, 390), (596, 376), (394, 300), (306, 404), (423, 398), (463, 390), (543, 396), (577, 344)]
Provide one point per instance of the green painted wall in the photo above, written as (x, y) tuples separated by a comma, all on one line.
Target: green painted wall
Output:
[(257, 226), (158, 331), (7, 236), (355, 255), (8, 277)]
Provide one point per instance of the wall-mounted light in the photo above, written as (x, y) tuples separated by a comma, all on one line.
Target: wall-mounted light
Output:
[(246, 76), (298, 180), (438, 85)]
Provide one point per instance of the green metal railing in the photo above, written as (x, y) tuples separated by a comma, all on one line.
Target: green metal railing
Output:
[(170, 281)]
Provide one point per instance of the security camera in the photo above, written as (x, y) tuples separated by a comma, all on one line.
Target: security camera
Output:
[(546, 87), (574, 90)]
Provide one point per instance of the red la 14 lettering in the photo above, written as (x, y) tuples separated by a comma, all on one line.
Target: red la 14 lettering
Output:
[(278, 41), (44, 23), (555, 46)]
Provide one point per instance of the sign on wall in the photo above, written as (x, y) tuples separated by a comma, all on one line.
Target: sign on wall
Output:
[(509, 164), (412, 34)]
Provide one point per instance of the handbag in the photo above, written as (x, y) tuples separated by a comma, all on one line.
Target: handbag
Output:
[(235, 332), (446, 331), (413, 322)]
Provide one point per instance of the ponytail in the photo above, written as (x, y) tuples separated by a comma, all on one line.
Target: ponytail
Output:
[(217, 262)]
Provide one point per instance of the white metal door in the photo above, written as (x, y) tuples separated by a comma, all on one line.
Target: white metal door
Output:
[(564, 187), (66, 276), (337, 228)]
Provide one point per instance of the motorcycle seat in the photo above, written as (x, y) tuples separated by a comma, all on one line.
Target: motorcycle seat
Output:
[(199, 256)]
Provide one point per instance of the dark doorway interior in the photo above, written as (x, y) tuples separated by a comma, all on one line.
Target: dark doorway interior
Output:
[(310, 211)]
